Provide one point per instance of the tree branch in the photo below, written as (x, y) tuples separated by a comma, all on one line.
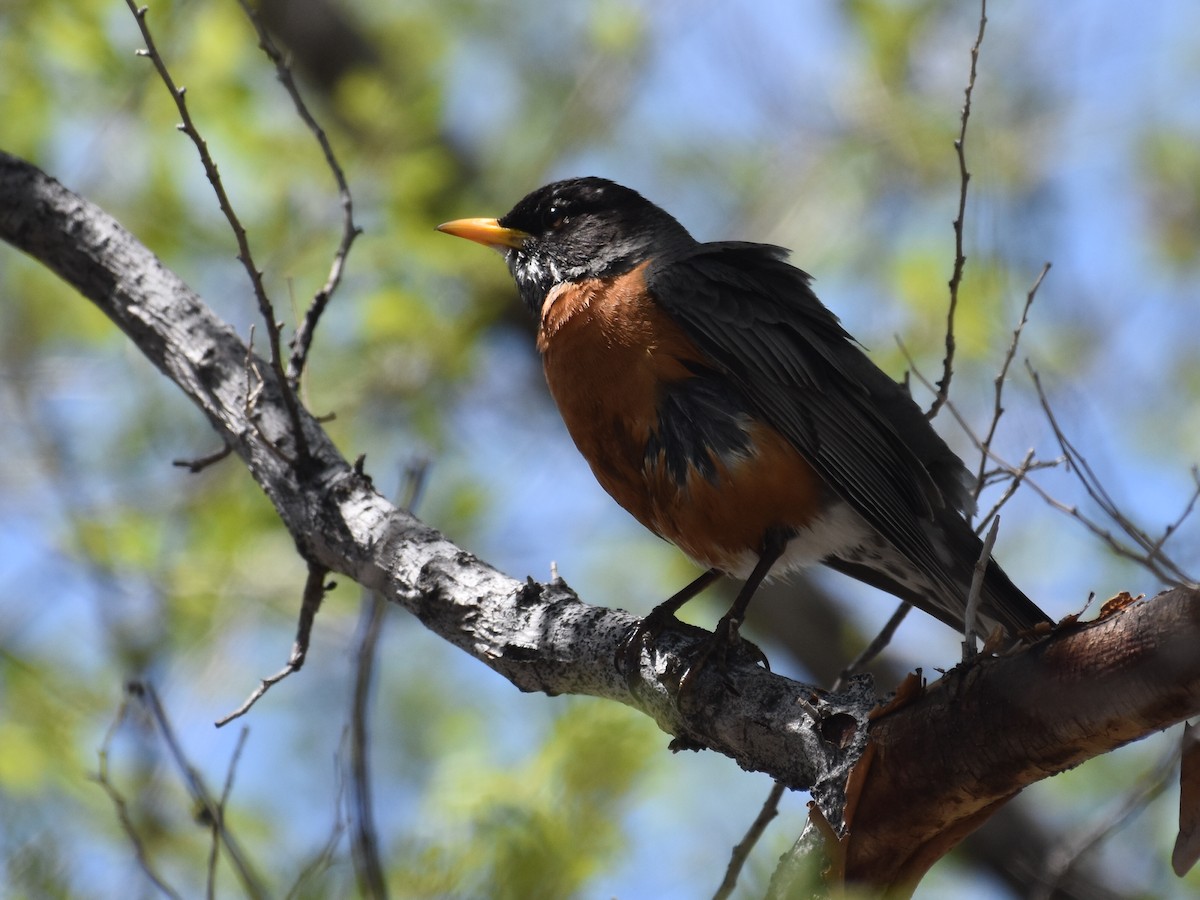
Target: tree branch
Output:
[(540, 637), (1086, 691)]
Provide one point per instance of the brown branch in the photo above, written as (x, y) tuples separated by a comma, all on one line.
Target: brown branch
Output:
[(188, 127), (302, 339), (201, 796), (315, 589), (1000, 381), (940, 764), (1151, 555), (960, 259), (741, 852), (121, 806)]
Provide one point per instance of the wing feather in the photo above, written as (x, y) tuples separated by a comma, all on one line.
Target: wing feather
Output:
[(758, 320)]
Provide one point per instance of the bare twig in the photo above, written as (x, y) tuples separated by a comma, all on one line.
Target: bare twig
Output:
[(202, 797), (188, 127), (1151, 556), (960, 259), (119, 803), (1188, 508), (203, 462), (326, 855), (1015, 479), (741, 852), (314, 592), (874, 648), (1003, 470), (972, 611), (219, 820), (364, 840), (1002, 377), (1060, 860), (302, 339)]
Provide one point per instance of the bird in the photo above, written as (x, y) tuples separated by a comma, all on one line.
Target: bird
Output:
[(719, 402)]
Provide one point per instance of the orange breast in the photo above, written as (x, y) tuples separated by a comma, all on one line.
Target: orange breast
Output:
[(607, 350), (719, 521)]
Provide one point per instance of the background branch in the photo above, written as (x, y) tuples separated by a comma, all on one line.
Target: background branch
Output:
[(960, 257), (188, 127)]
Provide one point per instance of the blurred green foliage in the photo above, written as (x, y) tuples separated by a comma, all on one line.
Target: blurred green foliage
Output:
[(824, 128)]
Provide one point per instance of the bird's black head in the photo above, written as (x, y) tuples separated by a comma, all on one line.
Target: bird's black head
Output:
[(573, 230)]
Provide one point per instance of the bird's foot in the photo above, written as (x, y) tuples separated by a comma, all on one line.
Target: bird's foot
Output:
[(721, 648), (641, 638)]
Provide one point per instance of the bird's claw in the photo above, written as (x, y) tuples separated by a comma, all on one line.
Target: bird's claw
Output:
[(721, 647), (641, 637)]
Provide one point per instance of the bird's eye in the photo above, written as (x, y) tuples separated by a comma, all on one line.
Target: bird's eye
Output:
[(556, 216)]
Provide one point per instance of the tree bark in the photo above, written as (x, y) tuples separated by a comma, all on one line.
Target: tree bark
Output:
[(943, 760), (937, 763)]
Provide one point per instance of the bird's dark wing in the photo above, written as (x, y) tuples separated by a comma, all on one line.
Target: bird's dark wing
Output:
[(757, 319)]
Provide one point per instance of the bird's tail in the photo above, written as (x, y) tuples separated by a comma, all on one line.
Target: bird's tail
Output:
[(942, 591), (1005, 603)]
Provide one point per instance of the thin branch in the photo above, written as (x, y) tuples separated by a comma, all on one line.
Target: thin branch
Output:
[(121, 806), (873, 649), (188, 127), (326, 855), (219, 820), (741, 852), (1002, 377), (302, 339), (1015, 480), (194, 466), (1060, 861), (364, 840), (315, 589), (1152, 556), (1152, 559), (1188, 509), (960, 259), (201, 796), (976, 591)]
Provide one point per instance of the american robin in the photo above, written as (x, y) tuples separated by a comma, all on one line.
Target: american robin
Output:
[(718, 401)]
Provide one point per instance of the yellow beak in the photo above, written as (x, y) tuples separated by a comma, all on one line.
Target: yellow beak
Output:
[(488, 232)]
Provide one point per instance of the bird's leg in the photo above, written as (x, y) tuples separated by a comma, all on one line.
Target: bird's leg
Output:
[(725, 635), (650, 627)]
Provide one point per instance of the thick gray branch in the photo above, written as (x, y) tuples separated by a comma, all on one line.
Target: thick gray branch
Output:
[(539, 636)]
